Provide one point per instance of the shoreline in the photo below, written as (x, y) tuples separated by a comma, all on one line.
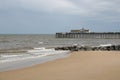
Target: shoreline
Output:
[(80, 65), (25, 63)]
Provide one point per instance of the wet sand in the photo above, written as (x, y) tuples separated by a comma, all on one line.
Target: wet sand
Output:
[(82, 65)]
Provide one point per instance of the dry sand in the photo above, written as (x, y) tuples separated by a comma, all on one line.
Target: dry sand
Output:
[(89, 65)]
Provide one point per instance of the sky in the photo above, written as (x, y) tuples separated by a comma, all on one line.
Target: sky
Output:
[(51, 16)]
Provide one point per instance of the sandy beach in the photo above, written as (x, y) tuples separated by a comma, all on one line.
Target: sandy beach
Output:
[(81, 65)]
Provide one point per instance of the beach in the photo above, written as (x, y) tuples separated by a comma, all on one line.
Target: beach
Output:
[(80, 65)]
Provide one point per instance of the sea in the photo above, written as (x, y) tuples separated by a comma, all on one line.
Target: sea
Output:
[(23, 50)]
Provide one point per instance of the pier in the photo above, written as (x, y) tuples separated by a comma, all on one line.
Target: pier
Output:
[(83, 33)]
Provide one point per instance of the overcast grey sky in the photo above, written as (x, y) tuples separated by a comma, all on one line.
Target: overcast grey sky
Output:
[(51, 16)]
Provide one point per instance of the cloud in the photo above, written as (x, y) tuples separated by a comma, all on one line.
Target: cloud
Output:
[(59, 6), (79, 7), (96, 7), (9, 4), (60, 14)]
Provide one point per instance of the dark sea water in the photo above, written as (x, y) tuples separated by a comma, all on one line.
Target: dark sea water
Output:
[(47, 40), (30, 49)]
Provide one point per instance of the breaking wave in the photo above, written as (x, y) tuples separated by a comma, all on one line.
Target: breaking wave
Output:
[(30, 54)]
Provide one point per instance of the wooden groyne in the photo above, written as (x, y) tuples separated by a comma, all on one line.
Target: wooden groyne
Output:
[(91, 48)]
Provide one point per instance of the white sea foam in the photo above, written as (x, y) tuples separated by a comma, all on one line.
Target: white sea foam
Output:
[(40, 42), (9, 56), (33, 53), (104, 45), (41, 48)]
